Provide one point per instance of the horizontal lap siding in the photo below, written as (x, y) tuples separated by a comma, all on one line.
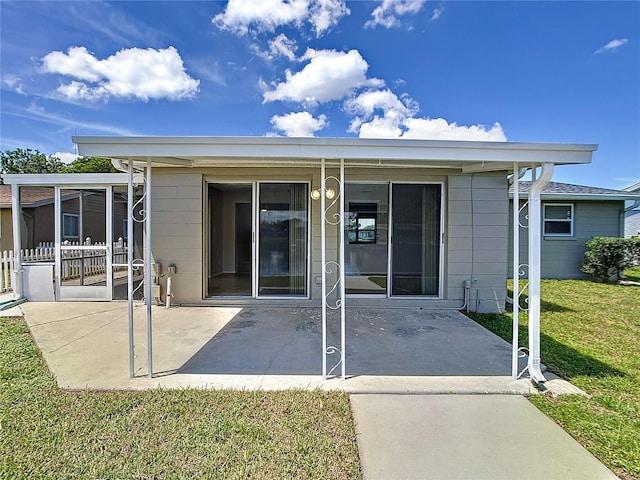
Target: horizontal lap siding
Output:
[(561, 257), (477, 232), (176, 233)]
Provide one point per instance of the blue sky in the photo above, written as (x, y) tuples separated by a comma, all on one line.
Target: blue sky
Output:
[(564, 72)]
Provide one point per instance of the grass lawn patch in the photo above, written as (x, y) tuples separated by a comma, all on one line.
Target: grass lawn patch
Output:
[(590, 334), (49, 433)]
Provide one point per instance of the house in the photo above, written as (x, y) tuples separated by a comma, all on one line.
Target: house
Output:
[(81, 217), (323, 222), (632, 214), (571, 216)]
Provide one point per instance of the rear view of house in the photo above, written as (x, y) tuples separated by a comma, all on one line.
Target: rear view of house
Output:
[(306, 221)]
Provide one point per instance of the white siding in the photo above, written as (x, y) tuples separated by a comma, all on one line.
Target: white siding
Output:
[(477, 239)]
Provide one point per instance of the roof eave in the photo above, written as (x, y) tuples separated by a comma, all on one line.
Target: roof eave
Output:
[(209, 151)]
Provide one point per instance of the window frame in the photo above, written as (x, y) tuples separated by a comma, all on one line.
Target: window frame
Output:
[(77, 225), (570, 221)]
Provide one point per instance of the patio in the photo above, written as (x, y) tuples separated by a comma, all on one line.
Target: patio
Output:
[(391, 350)]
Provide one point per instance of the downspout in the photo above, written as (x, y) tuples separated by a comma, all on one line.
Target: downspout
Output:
[(535, 243)]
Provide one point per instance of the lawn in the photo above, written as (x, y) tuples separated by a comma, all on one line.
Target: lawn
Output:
[(49, 433), (591, 336)]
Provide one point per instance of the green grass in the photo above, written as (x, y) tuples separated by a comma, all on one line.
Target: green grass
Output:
[(590, 334), (49, 433)]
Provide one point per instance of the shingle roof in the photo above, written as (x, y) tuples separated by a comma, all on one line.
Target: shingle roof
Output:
[(28, 195), (569, 189)]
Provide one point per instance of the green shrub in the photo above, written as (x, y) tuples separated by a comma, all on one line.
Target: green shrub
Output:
[(607, 257)]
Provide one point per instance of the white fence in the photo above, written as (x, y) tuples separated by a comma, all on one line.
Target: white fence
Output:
[(76, 263)]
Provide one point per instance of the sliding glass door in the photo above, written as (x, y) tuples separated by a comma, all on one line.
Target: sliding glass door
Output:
[(283, 232), (415, 252)]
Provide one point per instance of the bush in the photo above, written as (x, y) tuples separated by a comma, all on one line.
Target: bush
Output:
[(607, 257)]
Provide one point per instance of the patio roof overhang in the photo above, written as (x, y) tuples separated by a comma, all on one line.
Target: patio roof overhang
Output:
[(467, 157)]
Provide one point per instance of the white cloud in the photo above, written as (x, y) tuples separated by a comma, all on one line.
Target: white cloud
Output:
[(612, 46), (382, 114), (329, 75), (437, 12), (440, 129), (143, 74), (299, 124), (283, 46), (38, 113), (15, 83), (325, 14), (66, 157), (388, 12), (243, 16)]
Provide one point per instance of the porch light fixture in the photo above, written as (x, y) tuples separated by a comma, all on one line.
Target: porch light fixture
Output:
[(330, 193)]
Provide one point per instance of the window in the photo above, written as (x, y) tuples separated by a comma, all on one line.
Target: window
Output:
[(558, 219), (70, 225), (362, 222)]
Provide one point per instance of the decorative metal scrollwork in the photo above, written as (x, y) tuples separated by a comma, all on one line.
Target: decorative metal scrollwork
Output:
[(330, 351), (329, 271), (526, 216), (335, 218), (140, 202)]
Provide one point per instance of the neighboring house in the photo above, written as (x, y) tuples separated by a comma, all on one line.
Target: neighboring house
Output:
[(38, 225), (571, 215), (632, 214)]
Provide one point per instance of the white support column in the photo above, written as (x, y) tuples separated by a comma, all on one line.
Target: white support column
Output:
[(16, 212), (516, 272), (323, 259), (343, 335), (130, 266), (147, 269), (57, 213), (535, 244)]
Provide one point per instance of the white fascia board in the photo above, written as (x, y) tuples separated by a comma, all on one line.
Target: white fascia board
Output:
[(65, 179), (256, 148)]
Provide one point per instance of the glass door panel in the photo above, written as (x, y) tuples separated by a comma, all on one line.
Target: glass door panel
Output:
[(84, 262), (283, 239), (366, 243), (230, 250), (415, 260)]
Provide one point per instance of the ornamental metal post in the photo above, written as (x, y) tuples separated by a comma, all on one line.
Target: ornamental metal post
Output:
[(516, 272), (130, 266), (338, 287), (147, 270)]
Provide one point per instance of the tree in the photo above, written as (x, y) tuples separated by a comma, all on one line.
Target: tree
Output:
[(29, 161), (90, 165)]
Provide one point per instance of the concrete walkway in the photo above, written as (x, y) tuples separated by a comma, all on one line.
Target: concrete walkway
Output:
[(455, 437)]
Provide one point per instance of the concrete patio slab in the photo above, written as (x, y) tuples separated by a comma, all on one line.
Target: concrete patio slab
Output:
[(395, 350), (459, 437)]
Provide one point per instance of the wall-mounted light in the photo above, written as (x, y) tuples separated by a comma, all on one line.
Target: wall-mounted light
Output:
[(330, 193)]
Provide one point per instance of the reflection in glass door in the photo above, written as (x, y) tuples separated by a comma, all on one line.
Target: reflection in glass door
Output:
[(283, 239), (366, 243), (415, 260)]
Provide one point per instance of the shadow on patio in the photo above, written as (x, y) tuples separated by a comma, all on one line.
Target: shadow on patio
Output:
[(390, 342)]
